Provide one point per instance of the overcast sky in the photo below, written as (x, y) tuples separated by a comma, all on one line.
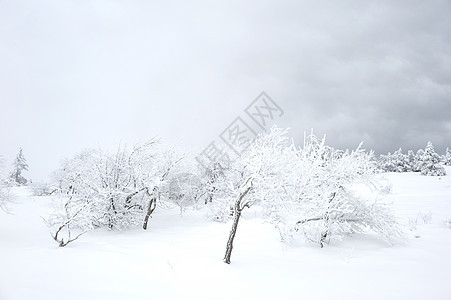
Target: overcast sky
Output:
[(92, 73)]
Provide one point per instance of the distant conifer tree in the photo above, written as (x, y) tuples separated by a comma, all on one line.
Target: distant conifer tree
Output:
[(447, 157), (430, 163), (19, 165)]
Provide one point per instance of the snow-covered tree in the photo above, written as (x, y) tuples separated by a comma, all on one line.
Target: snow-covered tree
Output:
[(222, 191), (314, 190), (194, 185), (401, 161), (213, 179), (184, 190), (418, 160), (386, 163), (446, 159), (430, 163), (329, 202), (74, 208), (396, 162), (19, 165), (114, 191), (266, 171), (163, 166), (411, 160), (217, 178)]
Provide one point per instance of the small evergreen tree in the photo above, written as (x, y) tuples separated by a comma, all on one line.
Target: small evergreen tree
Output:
[(386, 162), (447, 157), (418, 160), (411, 160), (401, 163), (19, 165), (430, 163)]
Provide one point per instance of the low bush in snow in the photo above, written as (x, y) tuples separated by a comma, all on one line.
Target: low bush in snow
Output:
[(5, 195), (328, 203)]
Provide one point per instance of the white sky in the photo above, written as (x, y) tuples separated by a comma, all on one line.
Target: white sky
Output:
[(88, 73)]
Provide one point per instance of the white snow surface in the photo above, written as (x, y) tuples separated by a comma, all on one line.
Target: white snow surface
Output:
[(180, 257)]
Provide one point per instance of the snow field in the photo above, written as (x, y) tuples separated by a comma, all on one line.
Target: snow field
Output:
[(180, 257)]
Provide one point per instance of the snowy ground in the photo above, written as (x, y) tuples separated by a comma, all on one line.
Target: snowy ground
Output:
[(181, 257)]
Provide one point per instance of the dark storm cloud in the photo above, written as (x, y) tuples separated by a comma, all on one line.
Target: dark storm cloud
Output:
[(385, 80), (79, 74)]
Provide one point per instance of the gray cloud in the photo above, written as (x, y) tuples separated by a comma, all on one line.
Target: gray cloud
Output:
[(94, 73)]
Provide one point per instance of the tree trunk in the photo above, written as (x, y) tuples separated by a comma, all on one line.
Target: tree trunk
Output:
[(232, 234), (150, 209), (236, 219)]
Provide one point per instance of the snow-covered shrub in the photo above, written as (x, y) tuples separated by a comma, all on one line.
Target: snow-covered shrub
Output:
[(448, 223), (71, 218), (214, 179), (420, 219), (43, 188), (114, 191), (329, 202), (5, 195), (221, 209), (185, 188), (3, 199), (430, 163), (396, 162), (383, 185), (219, 179)]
